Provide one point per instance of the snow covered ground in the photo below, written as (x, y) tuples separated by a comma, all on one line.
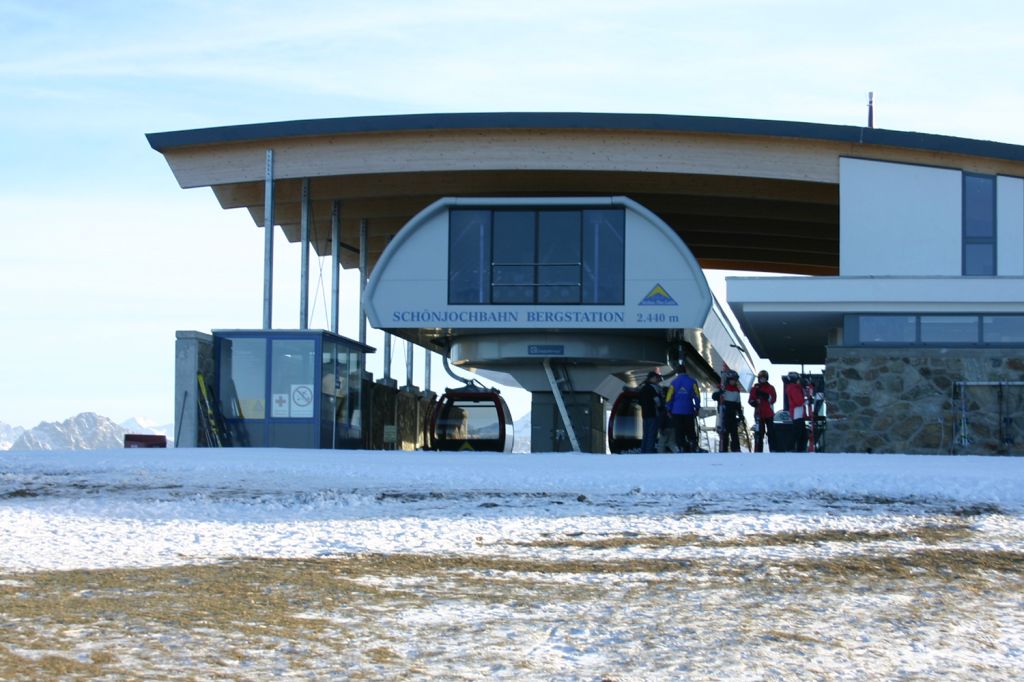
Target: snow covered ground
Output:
[(539, 566)]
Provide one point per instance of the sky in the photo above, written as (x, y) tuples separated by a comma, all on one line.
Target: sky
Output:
[(103, 257)]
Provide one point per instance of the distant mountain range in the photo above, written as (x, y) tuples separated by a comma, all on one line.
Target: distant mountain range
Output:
[(90, 431), (85, 431), (9, 434)]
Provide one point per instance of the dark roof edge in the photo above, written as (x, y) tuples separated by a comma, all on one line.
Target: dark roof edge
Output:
[(163, 142)]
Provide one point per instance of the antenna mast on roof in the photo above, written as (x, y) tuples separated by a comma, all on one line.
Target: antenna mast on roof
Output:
[(871, 110)]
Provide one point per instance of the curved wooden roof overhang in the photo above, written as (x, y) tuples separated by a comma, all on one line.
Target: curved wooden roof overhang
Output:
[(742, 194)]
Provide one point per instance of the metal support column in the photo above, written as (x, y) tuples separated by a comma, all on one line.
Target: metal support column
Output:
[(426, 369), (363, 266), (335, 263), (557, 391), (408, 364), (268, 241), (304, 271), (387, 356)]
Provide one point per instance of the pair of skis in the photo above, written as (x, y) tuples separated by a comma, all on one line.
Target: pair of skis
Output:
[(809, 414), (208, 418)]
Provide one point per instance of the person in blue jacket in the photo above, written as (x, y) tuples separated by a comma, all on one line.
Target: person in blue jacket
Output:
[(683, 400)]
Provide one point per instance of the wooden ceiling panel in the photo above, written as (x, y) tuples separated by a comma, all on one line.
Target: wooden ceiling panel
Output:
[(432, 186)]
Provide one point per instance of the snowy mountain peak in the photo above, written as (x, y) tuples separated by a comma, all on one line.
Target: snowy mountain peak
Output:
[(9, 434), (144, 425), (85, 431)]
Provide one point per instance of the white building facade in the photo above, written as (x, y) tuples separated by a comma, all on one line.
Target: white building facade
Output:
[(924, 325)]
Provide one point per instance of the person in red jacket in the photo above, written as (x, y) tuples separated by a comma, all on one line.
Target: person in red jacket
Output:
[(762, 399), (795, 405)]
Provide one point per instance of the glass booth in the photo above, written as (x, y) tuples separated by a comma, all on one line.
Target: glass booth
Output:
[(289, 388)]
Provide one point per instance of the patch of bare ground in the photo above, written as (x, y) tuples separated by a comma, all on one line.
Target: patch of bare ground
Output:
[(387, 616), (926, 534)]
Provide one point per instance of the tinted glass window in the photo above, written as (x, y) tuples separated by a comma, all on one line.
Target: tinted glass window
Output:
[(339, 394), (604, 254), (942, 329), (558, 284), (979, 236), (293, 367), (980, 259), (465, 420), (514, 237), (558, 256), (243, 378), (469, 256), (558, 250), (887, 329), (979, 206), (1003, 329), (559, 237), (513, 284)]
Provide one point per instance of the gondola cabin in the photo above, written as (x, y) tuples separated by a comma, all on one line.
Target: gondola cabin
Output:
[(472, 419), (625, 423)]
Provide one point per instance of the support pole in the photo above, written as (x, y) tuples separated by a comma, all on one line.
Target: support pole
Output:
[(304, 271), (426, 370), (335, 263), (408, 364), (363, 265), (387, 357), (268, 241), (561, 405)]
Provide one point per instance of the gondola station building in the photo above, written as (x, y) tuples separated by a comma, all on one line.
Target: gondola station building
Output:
[(564, 253)]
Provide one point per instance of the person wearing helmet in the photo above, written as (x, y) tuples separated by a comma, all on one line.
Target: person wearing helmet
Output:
[(683, 400), (795, 405), (729, 397), (762, 399), (652, 407)]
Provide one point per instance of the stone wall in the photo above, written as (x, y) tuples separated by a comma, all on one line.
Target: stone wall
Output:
[(193, 353), (909, 400)]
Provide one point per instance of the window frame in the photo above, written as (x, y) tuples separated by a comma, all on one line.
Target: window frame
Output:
[(852, 329), (497, 267), (969, 240)]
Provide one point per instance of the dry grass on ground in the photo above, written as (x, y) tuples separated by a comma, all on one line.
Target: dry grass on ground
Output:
[(370, 616)]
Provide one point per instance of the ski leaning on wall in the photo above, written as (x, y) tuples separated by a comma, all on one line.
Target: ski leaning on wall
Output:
[(208, 416)]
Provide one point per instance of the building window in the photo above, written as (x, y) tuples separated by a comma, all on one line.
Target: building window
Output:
[(293, 368), (979, 232), (536, 256), (243, 378), (887, 329), (933, 330), (949, 329), (1002, 329), (469, 256)]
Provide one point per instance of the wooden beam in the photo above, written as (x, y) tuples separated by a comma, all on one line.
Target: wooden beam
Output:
[(513, 150)]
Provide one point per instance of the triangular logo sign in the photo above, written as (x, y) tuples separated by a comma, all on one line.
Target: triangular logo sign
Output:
[(658, 296)]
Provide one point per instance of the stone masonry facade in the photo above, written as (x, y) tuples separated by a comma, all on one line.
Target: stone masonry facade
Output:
[(911, 400)]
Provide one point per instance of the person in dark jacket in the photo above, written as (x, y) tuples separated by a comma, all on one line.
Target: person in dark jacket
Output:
[(728, 398), (652, 408), (683, 402), (762, 399)]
